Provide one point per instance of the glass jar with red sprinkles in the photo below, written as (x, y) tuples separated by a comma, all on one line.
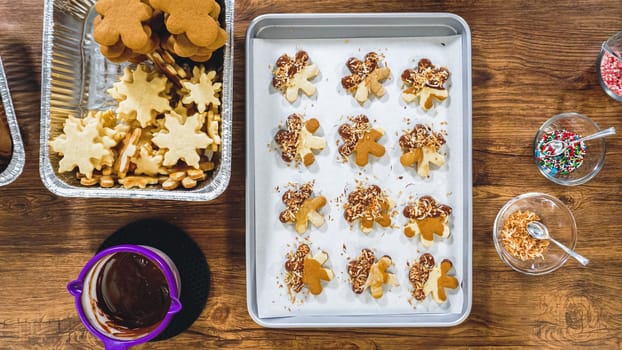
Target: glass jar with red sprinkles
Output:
[(609, 66)]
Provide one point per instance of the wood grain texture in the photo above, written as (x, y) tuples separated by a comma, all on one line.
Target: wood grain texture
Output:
[(531, 59)]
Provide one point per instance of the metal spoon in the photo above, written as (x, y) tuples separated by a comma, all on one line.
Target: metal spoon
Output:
[(538, 230), (559, 146)]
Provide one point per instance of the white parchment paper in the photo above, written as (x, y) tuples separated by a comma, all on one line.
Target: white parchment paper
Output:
[(334, 179)]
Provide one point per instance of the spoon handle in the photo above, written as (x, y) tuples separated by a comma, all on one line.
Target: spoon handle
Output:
[(605, 132), (580, 258)]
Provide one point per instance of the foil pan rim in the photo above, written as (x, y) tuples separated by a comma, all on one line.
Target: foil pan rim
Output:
[(18, 158)]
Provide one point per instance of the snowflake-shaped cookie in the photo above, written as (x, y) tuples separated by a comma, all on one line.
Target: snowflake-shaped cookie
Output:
[(111, 133), (203, 91), (426, 82), (108, 126), (148, 162), (182, 141), (141, 95), (293, 74), (80, 146)]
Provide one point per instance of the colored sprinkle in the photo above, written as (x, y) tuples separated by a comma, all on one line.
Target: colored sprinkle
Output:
[(565, 163), (611, 72)]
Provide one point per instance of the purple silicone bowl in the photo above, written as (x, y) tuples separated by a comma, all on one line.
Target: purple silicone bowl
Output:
[(76, 287)]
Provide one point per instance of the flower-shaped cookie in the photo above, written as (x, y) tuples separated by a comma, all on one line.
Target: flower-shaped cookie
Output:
[(426, 82), (427, 218), (122, 21), (421, 146), (292, 74), (195, 18), (303, 269), (365, 272), (367, 76), (193, 27), (427, 278), (301, 207), (360, 138), (298, 142), (369, 205), (123, 30)]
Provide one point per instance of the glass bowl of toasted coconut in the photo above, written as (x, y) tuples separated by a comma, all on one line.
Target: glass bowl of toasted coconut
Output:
[(524, 253)]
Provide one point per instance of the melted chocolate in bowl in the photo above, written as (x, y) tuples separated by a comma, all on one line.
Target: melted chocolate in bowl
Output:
[(132, 291), (128, 296)]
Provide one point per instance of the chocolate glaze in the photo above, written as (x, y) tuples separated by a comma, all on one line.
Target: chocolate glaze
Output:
[(132, 291)]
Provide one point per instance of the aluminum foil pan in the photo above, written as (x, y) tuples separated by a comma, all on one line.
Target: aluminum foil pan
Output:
[(18, 158), (74, 77)]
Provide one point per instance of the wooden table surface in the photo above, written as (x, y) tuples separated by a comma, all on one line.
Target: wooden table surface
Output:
[(531, 60)]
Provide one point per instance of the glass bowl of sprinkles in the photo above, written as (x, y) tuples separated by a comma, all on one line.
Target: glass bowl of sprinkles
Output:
[(524, 253), (579, 162), (609, 66)]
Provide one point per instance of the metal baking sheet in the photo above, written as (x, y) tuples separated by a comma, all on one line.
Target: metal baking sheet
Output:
[(286, 33), (18, 158), (74, 77)]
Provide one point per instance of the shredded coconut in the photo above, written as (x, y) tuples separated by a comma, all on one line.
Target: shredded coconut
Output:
[(516, 239)]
